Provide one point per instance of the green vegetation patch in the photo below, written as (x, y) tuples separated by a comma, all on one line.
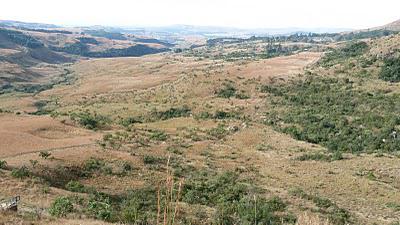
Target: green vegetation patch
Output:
[(21, 39), (390, 70), (233, 200), (61, 207), (21, 172), (91, 121), (320, 157), (173, 112), (331, 112), (227, 91), (3, 164), (351, 50)]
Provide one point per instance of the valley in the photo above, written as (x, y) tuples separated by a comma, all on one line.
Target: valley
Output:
[(299, 129)]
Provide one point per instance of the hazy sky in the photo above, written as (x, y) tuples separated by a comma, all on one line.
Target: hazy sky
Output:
[(233, 13)]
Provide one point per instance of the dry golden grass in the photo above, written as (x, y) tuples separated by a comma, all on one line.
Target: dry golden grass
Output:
[(135, 86), (23, 134), (307, 219)]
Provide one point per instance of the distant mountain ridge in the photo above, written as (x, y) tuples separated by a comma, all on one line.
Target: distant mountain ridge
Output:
[(29, 25), (185, 30), (394, 26)]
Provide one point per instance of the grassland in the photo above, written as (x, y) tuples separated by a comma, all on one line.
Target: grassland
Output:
[(185, 139)]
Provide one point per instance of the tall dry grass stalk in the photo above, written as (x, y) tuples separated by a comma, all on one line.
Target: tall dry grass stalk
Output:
[(165, 192), (307, 219)]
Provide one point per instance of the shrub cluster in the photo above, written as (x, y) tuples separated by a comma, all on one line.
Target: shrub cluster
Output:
[(90, 120), (390, 70), (173, 112), (233, 201), (330, 112), (352, 49), (61, 207)]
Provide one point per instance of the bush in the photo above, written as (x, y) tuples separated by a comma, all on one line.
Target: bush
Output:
[(183, 111), (390, 70), (3, 164), (21, 172), (94, 165), (321, 157), (139, 206), (61, 207), (227, 91), (223, 115), (75, 186), (242, 95), (100, 207), (130, 120), (232, 200), (149, 159), (44, 154), (90, 121), (159, 136), (219, 132)]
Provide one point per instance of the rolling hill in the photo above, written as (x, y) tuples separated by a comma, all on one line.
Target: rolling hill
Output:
[(33, 53), (393, 26), (297, 129)]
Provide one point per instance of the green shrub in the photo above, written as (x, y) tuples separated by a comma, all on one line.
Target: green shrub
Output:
[(61, 207), (100, 207), (130, 120), (339, 216), (127, 167), (227, 91), (139, 206), (21, 172), (321, 157), (219, 132), (159, 135), (3, 164), (242, 95), (114, 141), (394, 206), (232, 200), (204, 115), (94, 165), (90, 121), (390, 70), (183, 111), (149, 159), (44, 154), (75, 186)]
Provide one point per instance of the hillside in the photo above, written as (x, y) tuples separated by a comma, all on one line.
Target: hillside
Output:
[(285, 128), (395, 26), (32, 55), (295, 129)]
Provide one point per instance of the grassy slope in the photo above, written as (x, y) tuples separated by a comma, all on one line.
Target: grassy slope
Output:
[(231, 135)]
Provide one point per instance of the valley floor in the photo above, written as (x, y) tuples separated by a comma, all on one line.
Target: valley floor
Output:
[(219, 134)]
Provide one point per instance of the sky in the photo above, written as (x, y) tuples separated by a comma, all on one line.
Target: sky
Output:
[(355, 14)]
